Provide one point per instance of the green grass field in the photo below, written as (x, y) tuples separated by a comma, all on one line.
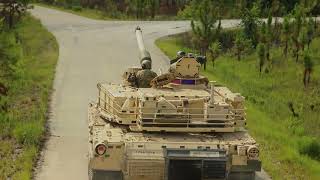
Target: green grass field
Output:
[(282, 137), (29, 86)]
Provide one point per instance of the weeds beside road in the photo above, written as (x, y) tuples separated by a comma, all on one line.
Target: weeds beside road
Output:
[(28, 58)]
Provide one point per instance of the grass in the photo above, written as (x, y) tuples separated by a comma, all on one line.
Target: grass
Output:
[(29, 86), (100, 15), (280, 135)]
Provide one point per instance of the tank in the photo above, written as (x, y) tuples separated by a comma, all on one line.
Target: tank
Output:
[(180, 127)]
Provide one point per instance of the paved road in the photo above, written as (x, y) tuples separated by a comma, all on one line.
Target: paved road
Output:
[(91, 51)]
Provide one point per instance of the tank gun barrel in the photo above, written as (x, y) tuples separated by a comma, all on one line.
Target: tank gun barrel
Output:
[(144, 54)]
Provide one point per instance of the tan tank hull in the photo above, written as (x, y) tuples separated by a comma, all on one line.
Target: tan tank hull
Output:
[(152, 156)]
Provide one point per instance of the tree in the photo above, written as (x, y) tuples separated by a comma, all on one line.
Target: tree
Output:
[(308, 67), (285, 34), (189, 12), (263, 33), (215, 51), (261, 51), (110, 8), (204, 25), (303, 38), (181, 4), (153, 6), (12, 10), (310, 31), (268, 37), (10, 49), (138, 7), (309, 5), (297, 24), (276, 11), (250, 21), (241, 44)]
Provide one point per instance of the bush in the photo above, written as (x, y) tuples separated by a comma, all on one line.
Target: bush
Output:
[(28, 133), (310, 147), (227, 38), (77, 8), (10, 49)]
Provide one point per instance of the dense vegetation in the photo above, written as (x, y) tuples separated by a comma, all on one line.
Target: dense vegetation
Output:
[(169, 9), (283, 116), (276, 67), (28, 54), (121, 9)]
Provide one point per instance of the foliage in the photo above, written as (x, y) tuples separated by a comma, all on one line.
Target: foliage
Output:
[(138, 7), (215, 50), (204, 25), (185, 9), (12, 10), (241, 45), (310, 31), (310, 147), (308, 67), (309, 5), (10, 49), (250, 21), (28, 57), (286, 34), (268, 36), (153, 6), (261, 51), (110, 9), (269, 118), (303, 38), (298, 36)]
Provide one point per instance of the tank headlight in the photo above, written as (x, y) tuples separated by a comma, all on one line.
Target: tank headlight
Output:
[(253, 152), (101, 149)]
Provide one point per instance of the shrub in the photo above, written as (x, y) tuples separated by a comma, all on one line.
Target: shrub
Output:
[(10, 49), (28, 133), (310, 147), (77, 8), (227, 38)]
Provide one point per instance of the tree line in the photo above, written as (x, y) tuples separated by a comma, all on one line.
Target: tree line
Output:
[(143, 9), (140, 9)]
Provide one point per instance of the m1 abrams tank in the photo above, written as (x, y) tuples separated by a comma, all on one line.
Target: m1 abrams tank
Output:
[(173, 126)]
